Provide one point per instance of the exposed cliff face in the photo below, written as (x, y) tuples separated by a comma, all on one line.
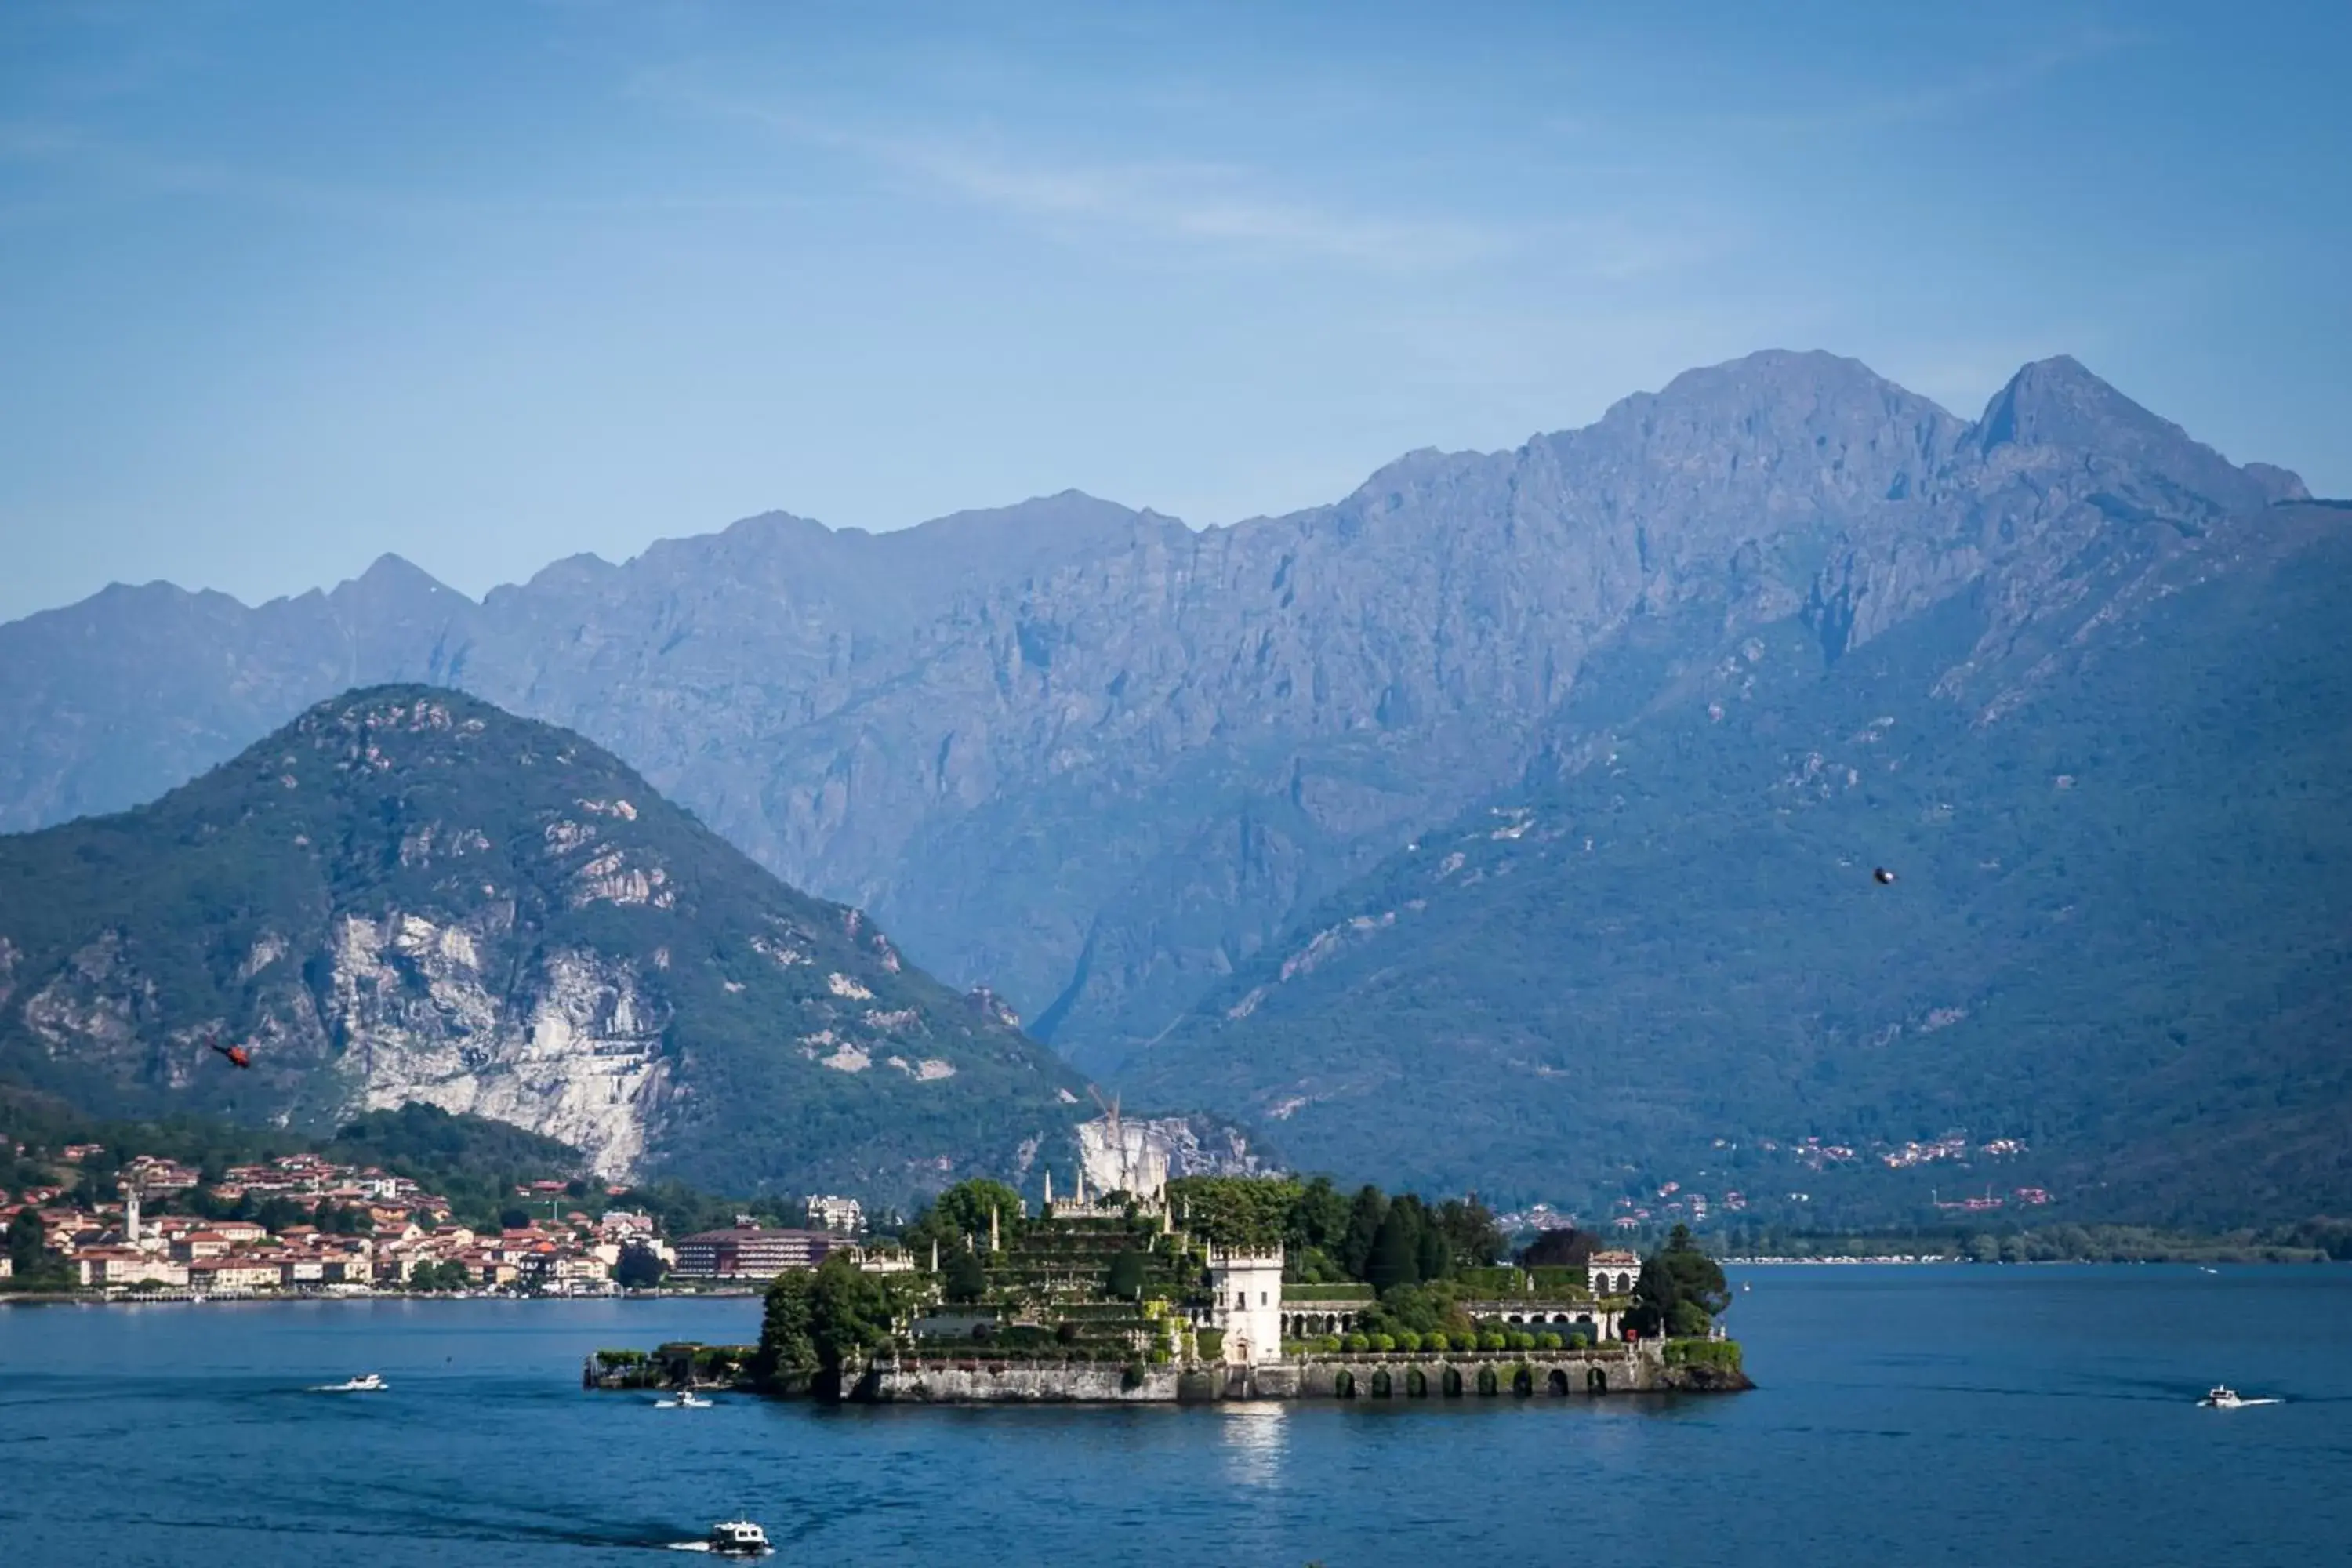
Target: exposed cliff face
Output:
[(1096, 759), (575, 1053), (1140, 1154), (407, 896)]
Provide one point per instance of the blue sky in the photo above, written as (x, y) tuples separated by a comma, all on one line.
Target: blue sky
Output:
[(285, 285)]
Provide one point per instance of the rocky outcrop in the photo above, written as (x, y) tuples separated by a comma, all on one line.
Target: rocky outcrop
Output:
[(1139, 1153), (573, 1052)]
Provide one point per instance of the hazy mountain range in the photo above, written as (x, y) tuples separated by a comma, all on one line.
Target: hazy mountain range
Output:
[(1130, 773)]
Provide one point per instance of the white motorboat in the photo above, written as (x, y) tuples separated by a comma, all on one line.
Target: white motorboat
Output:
[(687, 1399), (739, 1538), (367, 1383)]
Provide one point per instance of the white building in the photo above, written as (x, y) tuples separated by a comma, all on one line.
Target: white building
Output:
[(842, 1216), (1612, 1273), (1245, 1287)]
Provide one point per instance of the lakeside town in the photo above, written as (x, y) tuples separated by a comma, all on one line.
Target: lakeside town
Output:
[(304, 1225)]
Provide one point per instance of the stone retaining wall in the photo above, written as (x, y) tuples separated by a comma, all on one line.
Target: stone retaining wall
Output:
[(1492, 1375)]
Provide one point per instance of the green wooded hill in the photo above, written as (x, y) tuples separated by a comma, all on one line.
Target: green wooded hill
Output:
[(2121, 930), (408, 895)]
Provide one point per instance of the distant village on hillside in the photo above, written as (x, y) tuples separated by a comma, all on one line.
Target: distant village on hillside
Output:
[(320, 1227)]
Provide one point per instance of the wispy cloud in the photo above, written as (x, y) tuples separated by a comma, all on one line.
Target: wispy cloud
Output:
[(1197, 203), (1932, 98)]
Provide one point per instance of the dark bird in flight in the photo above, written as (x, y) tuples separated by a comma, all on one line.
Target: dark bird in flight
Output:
[(1883, 877)]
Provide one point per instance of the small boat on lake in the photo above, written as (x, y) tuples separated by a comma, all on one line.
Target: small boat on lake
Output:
[(2223, 1397), (687, 1400), (367, 1383), (739, 1538)]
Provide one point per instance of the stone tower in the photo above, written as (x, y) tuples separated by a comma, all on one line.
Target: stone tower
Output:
[(1246, 1285)]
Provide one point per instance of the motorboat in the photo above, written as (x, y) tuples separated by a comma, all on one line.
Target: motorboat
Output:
[(739, 1538), (687, 1400), (2222, 1398), (366, 1383)]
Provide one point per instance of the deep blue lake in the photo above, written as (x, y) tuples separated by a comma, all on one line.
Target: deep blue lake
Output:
[(1907, 1416)]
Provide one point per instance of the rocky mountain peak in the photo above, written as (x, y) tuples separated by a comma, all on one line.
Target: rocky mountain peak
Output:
[(2058, 404)]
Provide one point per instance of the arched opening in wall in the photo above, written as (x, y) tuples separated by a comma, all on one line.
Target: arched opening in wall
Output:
[(1523, 1382), (1449, 1382), (1343, 1384), (1381, 1386), (1489, 1384), (1559, 1319), (1416, 1383), (1597, 1381), (1559, 1381)]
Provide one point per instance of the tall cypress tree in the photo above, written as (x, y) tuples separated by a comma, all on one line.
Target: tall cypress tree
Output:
[(1364, 1217), (1396, 1250)]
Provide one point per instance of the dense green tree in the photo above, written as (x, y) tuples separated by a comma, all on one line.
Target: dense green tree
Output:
[(1370, 1207), (1127, 1276), (969, 1206), (1235, 1211), (25, 1241), (1563, 1247), (513, 1218), (825, 1322), (276, 1214), (1318, 1217), (963, 1212), (1473, 1239), (1435, 1258), (1396, 1249), (851, 1314), (787, 1329), (1681, 1291), (640, 1268), (963, 1278)]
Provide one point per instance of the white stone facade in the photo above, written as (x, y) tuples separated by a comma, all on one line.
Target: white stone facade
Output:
[(1246, 1289)]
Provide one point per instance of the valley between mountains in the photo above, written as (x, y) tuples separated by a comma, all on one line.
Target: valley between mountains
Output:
[(1506, 825)]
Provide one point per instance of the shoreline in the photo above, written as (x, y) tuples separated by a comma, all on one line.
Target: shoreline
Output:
[(265, 1298)]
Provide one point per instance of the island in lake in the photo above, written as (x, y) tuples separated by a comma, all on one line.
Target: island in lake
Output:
[(1214, 1287)]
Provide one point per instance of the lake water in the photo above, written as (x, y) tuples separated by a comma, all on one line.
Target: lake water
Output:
[(1913, 1415)]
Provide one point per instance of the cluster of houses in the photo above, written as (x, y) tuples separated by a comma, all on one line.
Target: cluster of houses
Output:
[(406, 1238), (387, 1233)]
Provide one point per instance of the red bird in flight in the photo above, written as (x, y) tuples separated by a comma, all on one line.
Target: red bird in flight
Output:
[(237, 1055)]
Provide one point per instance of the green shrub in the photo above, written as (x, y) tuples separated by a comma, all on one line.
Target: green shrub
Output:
[(1722, 1354), (1548, 1342), (1522, 1340), (1160, 1358), (1212, 1343), (1434, 1342), (1356, 1344), (1384, 1343), (1408, 1342), (1493, 1340), (1578, 1343), (1131, 1375)]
